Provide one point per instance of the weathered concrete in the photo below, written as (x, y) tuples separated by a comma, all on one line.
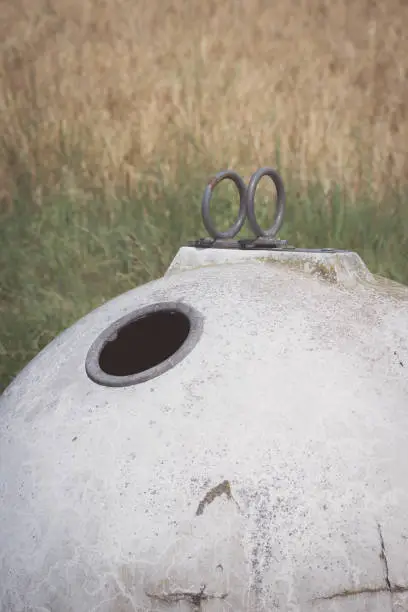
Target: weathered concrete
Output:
[(268, 470)]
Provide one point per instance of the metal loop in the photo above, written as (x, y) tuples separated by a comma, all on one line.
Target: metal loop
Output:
[(205, 205), (280, 202)]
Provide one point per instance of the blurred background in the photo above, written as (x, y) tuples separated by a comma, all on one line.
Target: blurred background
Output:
[(114, 113)]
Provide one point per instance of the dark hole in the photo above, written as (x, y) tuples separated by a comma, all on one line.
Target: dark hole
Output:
[(144, 343)]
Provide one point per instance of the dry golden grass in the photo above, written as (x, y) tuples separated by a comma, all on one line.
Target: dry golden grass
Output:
[(97, 91)]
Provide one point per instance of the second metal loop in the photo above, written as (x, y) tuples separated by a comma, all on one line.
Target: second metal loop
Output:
[(246, 204), (280, 202)]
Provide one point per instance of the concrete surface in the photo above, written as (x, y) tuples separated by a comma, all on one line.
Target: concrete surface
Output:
[(268, 470)]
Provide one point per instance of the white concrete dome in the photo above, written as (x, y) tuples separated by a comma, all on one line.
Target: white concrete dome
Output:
[(263, 467)]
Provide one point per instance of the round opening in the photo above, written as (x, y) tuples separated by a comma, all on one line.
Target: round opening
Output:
[(143, 345)]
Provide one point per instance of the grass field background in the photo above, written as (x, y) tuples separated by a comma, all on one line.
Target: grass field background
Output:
[(113, 114)]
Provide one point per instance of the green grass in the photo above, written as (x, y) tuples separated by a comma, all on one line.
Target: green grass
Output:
[(65, 257)]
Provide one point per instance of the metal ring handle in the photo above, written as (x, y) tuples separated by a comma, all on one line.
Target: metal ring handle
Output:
[(280, 202), (205, 204)]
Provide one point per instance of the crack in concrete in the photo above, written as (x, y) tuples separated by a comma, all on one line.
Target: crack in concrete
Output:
[(383, 558), (365, 591), (351, 592), (193, 597), (388, 588), (399, 359), (224, 488)]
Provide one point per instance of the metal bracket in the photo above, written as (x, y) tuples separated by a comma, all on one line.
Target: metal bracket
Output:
[(243, 244)]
